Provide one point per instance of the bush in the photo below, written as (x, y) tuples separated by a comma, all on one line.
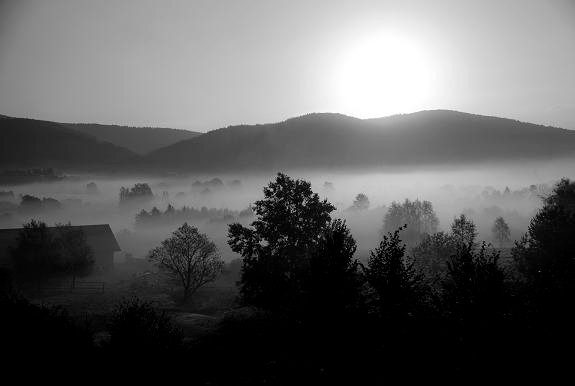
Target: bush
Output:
[(138, 329), (39, 333)]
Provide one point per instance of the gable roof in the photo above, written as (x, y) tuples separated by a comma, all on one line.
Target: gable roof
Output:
[(98, 237)]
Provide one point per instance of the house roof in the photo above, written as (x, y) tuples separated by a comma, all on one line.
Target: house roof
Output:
[(98, 237)]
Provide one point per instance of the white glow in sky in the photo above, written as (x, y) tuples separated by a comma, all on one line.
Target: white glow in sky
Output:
[(205, 64), (386, 73)]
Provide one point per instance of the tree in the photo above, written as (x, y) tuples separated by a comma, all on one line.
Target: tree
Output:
[(545, 253), (432, 253), (463, 230), (35, 253), (419, 217), (290, 220), (137, 329), (397, 286), (75, 255), (139, 192), (333, 284), (474, 289), (92, 188), (42, 252), (361, 202), (500, 231), (189, 257)]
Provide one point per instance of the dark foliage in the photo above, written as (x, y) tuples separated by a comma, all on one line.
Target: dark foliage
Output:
[(432, 253), (419, 217), (276, 248), (41, 334), (398, 289), (170, 216), (475, 288), (32, 204), (500, 231), (139, 330), (463, 231), (42, 253), (333, 285), (361, 202), (140, 192)]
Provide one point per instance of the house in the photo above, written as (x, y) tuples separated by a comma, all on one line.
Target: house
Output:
[(99, 237)]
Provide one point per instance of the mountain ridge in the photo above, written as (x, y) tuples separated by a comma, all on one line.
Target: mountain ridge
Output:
[(311, 141), (140, 140), (320, 140)]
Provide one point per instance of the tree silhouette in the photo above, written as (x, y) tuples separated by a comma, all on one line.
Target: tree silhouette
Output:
[(545, 254), (333, 284), (189, 257), (138, 330), (397, 286), (463, 230), (75, 255), (474, 288), (35, 254), (276, 249), (500, 231), (419, 217), (361, 202), (139, 192), (432, 254)]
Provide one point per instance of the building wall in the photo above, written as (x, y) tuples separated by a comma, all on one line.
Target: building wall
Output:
[(103, 260)]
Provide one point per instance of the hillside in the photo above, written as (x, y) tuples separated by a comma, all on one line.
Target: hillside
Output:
[(140, 140), (34, 143), (337, 141)]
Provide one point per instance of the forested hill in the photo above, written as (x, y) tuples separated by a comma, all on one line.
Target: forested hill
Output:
[(337, 141), (34, 143), (140, 140)]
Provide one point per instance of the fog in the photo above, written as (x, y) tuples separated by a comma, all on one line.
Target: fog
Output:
[(479, 192)]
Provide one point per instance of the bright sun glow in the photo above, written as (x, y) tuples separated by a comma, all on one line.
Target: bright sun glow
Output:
[(384, 75)]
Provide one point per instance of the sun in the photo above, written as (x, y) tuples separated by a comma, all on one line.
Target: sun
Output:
[(383, 75)]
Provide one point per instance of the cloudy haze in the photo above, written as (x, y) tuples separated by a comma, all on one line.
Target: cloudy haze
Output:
[(206, 64)]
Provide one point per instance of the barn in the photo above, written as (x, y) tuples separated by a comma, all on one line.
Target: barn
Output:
[(100, 238)]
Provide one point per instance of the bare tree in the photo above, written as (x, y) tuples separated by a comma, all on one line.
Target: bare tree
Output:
[(189, 257)]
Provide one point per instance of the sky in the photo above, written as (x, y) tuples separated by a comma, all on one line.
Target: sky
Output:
[(202, 65)]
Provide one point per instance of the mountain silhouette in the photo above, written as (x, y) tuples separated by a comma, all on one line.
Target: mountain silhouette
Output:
[(140, 140), (335, 141), (313, 141), (35, 143)]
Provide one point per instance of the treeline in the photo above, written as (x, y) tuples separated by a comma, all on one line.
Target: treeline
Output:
[(41, 254), (171, 216), (26, 176), (451, 301), (313, 313)]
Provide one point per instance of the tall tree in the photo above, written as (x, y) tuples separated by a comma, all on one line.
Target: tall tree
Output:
[(75, 255), (397, 286), (432, 254), (500, 231), (361, 202), (333, 284), (545, 254), (35, 253), (474, 289), (276, 248), (419, 217), (189, 257), (463, 230)]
